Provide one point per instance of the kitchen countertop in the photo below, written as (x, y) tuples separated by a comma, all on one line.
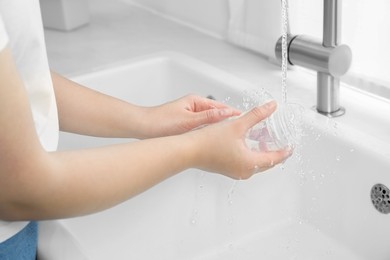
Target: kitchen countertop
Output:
[(119, 31)]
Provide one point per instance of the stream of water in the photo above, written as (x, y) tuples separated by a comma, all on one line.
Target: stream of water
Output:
[(285, 28)]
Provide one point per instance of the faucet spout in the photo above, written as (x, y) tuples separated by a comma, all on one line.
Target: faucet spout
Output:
[(330, 59)]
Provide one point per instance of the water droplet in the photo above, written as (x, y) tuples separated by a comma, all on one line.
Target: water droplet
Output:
[(338, 158), (194, 217), (226, 100)]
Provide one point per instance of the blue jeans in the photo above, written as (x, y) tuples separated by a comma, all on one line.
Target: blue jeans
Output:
[(22, 246)]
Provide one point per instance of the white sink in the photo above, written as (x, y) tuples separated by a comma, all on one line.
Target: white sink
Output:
[(316, 206)]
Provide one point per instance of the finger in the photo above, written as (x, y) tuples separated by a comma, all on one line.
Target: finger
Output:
[(266, 160), (272, 158), (214, 115), (202, 104), (259, 113)]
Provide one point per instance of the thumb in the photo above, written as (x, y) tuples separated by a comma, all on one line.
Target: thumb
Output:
[(259, 113)]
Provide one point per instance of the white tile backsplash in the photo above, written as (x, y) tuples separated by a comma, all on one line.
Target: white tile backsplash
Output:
[(254, 24)]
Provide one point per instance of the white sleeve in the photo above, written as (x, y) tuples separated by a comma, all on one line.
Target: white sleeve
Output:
[(3, 35)]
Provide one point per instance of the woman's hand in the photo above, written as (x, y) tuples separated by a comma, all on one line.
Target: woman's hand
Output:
[(106, 116), (221, 147), (183, 115)]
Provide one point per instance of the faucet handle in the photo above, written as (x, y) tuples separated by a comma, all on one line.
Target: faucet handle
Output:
[(310, 53)]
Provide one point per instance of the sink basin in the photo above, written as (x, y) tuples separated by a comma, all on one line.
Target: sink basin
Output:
[(315, 206)]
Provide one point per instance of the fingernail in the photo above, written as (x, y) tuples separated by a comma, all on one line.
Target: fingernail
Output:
[(222, 112), (225, 112), (270, 104), (288, 152)]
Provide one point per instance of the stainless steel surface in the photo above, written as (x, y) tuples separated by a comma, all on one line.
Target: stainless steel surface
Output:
[(330, 59), (308, 52), (332, 23), (328, 84), (328, 95), (380, 198)]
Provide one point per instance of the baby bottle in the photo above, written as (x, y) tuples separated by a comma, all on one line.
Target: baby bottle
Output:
[(281, 130)]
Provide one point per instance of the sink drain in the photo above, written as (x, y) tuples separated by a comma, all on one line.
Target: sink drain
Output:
[(380, 197)]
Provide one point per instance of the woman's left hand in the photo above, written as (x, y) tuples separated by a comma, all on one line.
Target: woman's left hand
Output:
[(184, 114)]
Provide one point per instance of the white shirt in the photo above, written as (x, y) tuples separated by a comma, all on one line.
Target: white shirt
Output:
[(21, 29)]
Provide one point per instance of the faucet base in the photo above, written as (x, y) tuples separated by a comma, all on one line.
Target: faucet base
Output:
[(337, 113)]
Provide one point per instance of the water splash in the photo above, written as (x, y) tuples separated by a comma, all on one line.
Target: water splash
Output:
[(231, 192), (199, 197)]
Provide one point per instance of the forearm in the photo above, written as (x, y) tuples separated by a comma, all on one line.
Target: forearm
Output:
[(84, 111), (82, 182)]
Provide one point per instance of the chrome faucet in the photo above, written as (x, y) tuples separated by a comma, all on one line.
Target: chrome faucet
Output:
[(330, 59)]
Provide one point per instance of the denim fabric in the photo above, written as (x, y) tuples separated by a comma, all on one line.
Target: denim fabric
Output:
[(22, 246)]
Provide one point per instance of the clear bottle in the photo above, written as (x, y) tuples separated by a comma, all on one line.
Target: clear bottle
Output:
[(283, 129)]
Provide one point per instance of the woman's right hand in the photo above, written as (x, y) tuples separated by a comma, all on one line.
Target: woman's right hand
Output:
[(221, 147)]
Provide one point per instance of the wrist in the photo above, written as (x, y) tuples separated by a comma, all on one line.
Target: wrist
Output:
[(195, 149), (137, 123)]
